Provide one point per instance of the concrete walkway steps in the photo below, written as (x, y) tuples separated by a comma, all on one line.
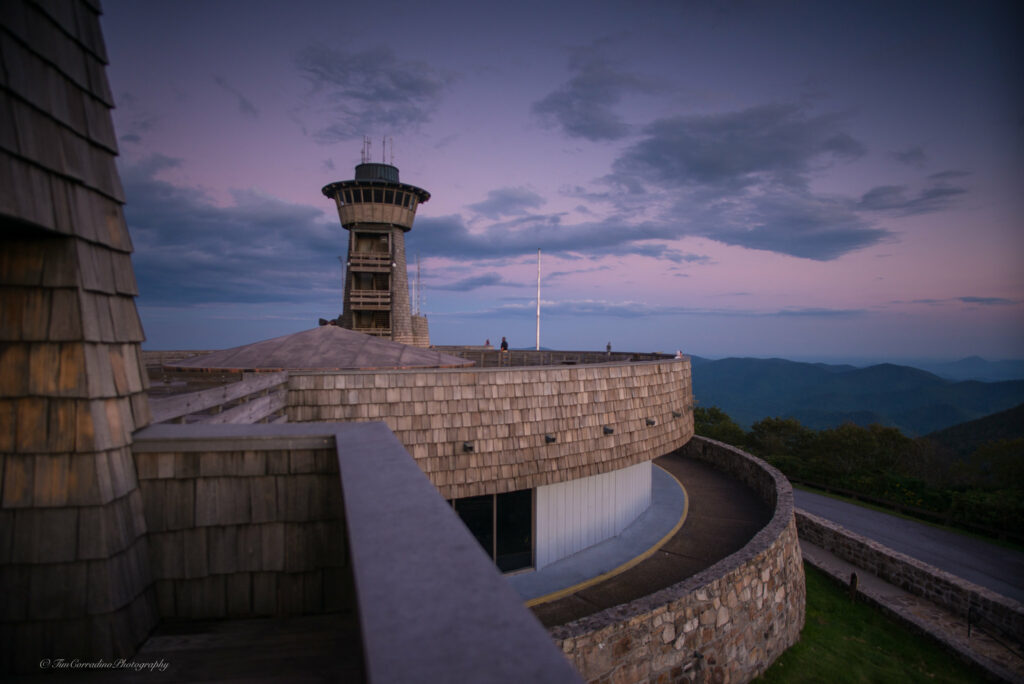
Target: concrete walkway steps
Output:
[(949, 629)]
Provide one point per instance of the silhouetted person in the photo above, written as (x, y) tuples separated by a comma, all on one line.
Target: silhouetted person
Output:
[(504, 344), (608, 348)]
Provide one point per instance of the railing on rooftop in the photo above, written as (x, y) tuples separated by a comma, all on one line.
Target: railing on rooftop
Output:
[(258, 397), (488, 358)]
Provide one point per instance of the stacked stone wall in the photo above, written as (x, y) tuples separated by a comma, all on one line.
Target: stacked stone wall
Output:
[(601, 417), (725, 624), (910, 574), (236, 534)]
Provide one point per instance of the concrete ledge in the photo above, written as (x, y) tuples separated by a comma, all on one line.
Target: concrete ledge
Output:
[(200, 437), (432, 605), (920, 579)]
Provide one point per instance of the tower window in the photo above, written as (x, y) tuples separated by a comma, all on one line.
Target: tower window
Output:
[(389, 197), (378, 195)]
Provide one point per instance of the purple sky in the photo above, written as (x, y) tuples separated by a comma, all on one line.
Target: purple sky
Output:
[(802, 179)]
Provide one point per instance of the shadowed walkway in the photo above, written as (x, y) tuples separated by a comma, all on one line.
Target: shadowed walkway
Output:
[(723, 516)]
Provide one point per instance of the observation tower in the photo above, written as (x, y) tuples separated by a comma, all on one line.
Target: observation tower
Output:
[(377, 211)]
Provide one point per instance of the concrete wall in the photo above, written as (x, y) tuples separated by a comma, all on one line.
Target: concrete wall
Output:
[(574, 515), (910, 574), (506, 413), (725, 624)]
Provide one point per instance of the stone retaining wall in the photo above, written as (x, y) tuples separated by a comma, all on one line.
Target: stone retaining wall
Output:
[(725, 624), (505, 416), (244, 533), (943, 589)]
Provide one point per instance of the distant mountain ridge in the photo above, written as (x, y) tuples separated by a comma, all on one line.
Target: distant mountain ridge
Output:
[(977, 368), (822, 395), (964, 438)]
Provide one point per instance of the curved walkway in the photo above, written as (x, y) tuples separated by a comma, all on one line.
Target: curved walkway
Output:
[(724, 514)]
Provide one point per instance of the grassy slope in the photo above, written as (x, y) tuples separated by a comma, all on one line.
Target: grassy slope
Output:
[(846, 641)]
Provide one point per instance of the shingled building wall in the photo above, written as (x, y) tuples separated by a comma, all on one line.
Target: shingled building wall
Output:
[(73, 556), (506, 415)]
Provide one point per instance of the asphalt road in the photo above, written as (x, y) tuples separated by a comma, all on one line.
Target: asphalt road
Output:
[(995, 567)]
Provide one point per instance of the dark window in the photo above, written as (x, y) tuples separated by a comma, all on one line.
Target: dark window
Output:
[(377, 195), (503, 524), (346, 196), (514, 514), (389, 197), (477, 514)]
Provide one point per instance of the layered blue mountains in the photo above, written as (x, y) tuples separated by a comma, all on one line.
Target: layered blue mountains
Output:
[(822, 395)]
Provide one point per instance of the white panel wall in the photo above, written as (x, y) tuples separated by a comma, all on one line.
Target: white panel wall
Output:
[(574, 515)]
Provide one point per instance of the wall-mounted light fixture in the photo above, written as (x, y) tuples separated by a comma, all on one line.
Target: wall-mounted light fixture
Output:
[(608, 429), (467, 447), (677, 414), (651, 421), (548, 439)]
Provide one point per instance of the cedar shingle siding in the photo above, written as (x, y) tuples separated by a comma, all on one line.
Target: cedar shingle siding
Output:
[(73, 557)]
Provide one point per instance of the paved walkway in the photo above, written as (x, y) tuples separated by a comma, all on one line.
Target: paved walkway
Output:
[(944, 626), (723, 515), (975, 560)]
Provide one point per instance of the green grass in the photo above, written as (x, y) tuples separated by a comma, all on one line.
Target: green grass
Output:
[(847, 641), (1005, 543)]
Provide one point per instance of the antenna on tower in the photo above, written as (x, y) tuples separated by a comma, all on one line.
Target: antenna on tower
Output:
[(391, 145), (365, 154), (414, 286), (419, 288)]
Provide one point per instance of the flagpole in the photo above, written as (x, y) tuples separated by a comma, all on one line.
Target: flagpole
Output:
[(538, 299)]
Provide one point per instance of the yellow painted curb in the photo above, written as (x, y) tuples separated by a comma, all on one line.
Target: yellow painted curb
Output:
[(561, 593)]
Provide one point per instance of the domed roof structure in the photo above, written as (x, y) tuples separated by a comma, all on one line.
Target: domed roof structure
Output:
[(328, 347)]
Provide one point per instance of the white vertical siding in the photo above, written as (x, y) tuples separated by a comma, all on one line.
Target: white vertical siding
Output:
[(574, 515)]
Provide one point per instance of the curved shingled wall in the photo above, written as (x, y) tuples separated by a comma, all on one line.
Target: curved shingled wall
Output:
[(506, 414), (727, 623)]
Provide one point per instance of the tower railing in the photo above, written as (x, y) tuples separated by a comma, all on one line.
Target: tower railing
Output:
[(370, 260), (370, 299)]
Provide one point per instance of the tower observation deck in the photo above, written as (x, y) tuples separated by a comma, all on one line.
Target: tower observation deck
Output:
[(377, 211)]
